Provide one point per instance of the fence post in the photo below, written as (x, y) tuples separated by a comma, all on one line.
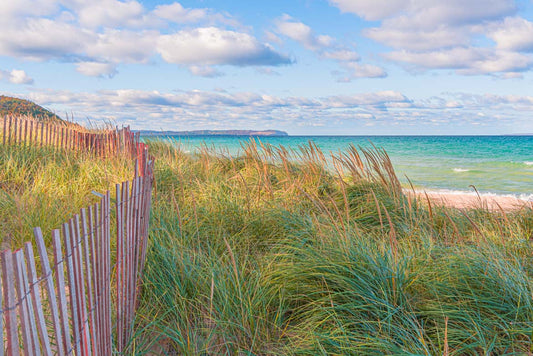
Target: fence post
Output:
[(60, 278), (52, 298), (8, 287), (36, 299)]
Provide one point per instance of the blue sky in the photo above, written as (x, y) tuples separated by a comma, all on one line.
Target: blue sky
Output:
[(349, 67)]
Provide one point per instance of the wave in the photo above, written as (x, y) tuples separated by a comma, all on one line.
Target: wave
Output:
[(522, 196), (460, 170), (528, 163)]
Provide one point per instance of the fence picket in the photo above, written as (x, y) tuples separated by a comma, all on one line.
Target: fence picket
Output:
[(27, 321), (72, 289), (88, 278), (25, 132), (96, 291), (4, 130), (36, 299), (52, 299), (61, 290), (74, 316), (8, 286), (120, 266)]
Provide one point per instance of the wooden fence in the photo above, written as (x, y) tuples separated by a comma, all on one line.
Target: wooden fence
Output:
[(79, 312), (26, 130)]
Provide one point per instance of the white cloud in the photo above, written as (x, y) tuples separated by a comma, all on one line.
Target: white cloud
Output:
[(11, 9), (329, 48), (208, 109), (205, 71), (97, 36), (211, 45), (514, 33), (124, 46), (302, 33), (19, 77), (371, 9), (272, 37), (96, 69), (110, 13), (342, 55), (356, 70), (16, 76), (397, 33), (466, 60), (175, 12), (435, 34), (429, 13), (42, 39), (367, 99)]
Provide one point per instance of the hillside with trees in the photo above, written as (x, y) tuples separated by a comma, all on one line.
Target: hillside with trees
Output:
[(15, 106)]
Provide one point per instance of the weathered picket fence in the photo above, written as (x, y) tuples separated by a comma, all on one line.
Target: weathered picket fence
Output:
[(26, 130), (90, 309)]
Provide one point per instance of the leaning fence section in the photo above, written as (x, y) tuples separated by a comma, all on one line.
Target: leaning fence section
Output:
[(28, 131), (82, 299)]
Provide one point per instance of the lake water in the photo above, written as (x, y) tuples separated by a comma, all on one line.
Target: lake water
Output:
[(500, 165)]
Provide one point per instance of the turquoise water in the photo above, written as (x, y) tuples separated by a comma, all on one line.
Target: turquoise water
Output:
[(500, 165)]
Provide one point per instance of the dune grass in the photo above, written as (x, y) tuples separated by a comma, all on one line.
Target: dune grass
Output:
[(44, 187), (280, 252), (272, 253)]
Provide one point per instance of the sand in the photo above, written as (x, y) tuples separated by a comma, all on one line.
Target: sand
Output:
[(469, 201)]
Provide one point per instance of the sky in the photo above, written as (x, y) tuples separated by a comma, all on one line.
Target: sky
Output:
[(308, 67)]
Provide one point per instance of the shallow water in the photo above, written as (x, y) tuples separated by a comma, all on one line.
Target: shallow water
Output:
[(500, 165)]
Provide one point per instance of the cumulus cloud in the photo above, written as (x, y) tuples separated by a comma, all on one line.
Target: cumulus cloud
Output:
[(302, 33), (109, 13), (466, 60), (396, 34), (124, 46), (96, 69), (180, 110), (436, 34), (381, 110), (16, 76), (205, 71), (97, 36), (328, 47), (11, 9), (429, 12), (177, 13), (211, 45), (514, 33), (42, 39), (357, 70), (342, 55)]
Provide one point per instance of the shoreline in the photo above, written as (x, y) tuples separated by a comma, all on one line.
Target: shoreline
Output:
[(472, 200)]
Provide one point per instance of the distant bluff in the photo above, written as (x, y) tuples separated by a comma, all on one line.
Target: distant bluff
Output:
[(215, 133), (15, 106)]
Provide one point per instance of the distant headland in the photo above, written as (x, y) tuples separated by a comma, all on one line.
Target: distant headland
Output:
[(215, 133)]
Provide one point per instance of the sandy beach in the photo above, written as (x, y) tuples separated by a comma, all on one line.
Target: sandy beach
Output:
[(469, 200)]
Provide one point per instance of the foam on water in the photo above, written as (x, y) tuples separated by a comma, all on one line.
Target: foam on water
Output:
[(524, 197), (460, 170)]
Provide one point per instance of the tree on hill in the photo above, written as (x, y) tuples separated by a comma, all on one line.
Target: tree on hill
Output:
[(15, 106)]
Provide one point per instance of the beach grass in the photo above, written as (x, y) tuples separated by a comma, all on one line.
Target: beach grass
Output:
[(41, 186), (283, 252)]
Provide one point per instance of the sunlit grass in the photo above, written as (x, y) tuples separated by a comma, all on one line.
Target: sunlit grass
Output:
[(280, 252), (45, 187), (274, 253)]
